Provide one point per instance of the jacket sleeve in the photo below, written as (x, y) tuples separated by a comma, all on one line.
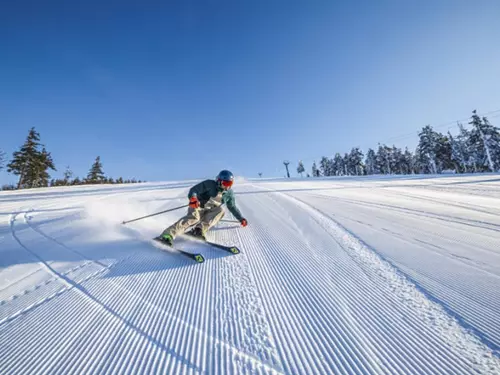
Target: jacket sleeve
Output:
[(199, 189), (231, 205)]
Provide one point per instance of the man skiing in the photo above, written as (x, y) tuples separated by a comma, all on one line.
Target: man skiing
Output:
[(205, 208)]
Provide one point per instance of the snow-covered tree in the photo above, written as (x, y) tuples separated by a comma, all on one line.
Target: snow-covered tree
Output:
[(2, 159), (315, 170), (383, 159), (338, 165), (31, 164), (460, 151), (429, 149), (370, 162), (492, 143), (96, 175), (346, 171), (325, 166), (300, 168), (484, 143), (408, 162), (356, 161), (393, 159), (444, 153), (395, 156)]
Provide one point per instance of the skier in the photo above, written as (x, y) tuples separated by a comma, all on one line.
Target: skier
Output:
[(205, 208)]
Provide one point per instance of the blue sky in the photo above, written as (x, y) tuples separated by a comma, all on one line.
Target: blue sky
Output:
[(165, 91)]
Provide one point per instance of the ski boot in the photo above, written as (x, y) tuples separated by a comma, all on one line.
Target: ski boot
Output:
[(197, 232), (167, 239)]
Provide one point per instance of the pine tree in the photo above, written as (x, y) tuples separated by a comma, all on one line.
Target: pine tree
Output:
[(45, 162), (300, 168), (396, 160), (383, 159), (484, 142), (408, 164), (67, 175), (492, 137), (2, 159), (8, 187), (96, 174), (460, 150), (434, 152), (325, 166), (337, 165), (315, 170), (443, 153), (30, 164), (476, 144), (356, 162), (370, 162), (346, 171)]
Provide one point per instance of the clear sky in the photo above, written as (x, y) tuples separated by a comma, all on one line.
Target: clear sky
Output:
[(174, 90)]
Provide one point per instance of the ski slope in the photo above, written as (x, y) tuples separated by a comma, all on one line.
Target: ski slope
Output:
[(336, 276)]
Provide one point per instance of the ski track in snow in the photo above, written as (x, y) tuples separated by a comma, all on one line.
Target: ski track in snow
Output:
[(466, 287), (330, 281)]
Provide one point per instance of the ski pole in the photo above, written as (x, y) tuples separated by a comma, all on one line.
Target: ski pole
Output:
[(228, 221), (158, 213)]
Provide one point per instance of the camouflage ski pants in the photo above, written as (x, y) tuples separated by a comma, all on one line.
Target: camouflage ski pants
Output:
[(206, 218)]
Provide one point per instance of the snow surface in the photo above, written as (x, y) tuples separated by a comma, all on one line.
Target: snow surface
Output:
[(382, 275)]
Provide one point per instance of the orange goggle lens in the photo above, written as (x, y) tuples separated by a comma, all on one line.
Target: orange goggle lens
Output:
[(227, 183)]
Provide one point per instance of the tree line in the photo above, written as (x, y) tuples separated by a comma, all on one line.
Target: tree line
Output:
[(471, 151), (32, 163)]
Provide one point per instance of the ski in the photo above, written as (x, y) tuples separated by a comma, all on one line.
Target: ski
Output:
[(195, 256), (231, 249)]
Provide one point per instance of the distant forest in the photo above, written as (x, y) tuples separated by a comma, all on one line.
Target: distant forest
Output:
[(473, 150), (32, 163)]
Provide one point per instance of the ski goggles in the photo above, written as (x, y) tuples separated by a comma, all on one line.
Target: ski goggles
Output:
[(227, 184)]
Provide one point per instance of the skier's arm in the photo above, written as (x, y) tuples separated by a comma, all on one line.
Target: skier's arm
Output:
[(198, 189), (231, 205)]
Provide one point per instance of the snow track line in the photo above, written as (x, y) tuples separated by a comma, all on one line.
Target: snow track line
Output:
[(311, 338), (175, 336), (474, 208), (43, 234), (429, 247), (42, 263), (409, 211), (317, 340), (241, 307), (68, 284), (339, 332), (462, 338), (385, 275), (475, 306)]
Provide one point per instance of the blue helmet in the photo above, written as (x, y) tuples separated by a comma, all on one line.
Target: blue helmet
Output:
[(225, 179)]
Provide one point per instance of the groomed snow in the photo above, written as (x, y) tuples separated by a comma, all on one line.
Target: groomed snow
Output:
[(380, 275)]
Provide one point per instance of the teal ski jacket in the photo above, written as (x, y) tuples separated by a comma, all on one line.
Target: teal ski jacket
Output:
[(208, 189)]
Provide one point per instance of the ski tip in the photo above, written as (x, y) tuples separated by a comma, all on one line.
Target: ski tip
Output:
[(234, 250)]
